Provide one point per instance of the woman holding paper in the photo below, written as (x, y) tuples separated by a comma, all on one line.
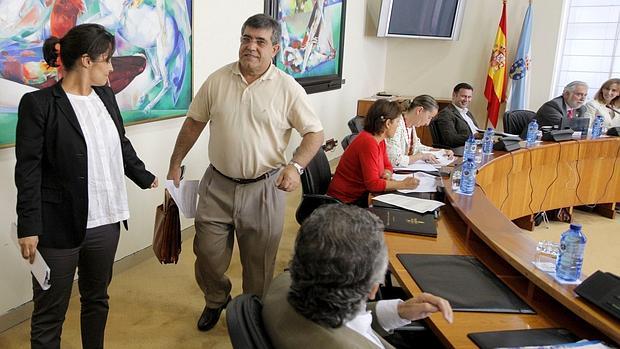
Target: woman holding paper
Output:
[(364, 167), (72, 156), (404, 147)]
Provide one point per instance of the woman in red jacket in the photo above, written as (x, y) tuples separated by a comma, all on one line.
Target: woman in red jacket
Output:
[(364, 167)]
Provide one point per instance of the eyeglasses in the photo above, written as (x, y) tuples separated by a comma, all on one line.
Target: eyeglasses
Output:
[(260, 42)]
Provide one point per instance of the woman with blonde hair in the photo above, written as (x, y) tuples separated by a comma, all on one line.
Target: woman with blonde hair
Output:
[(606, 103), (404, 147)]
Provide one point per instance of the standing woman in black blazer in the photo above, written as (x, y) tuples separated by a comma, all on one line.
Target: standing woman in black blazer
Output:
[(72, 156)]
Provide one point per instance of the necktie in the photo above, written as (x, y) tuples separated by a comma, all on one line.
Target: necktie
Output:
[(570, 113), (411, 142)]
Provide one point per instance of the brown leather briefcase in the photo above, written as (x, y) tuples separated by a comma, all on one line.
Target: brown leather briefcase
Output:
[(167, 233)]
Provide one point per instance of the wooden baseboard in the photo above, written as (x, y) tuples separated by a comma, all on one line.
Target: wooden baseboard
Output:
[(23, 312)]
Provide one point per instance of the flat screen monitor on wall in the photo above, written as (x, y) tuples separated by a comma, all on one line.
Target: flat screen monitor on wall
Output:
[(426, 19)]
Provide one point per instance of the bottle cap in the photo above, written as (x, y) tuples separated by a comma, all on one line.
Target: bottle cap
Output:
[(575, 226), (490, 129)]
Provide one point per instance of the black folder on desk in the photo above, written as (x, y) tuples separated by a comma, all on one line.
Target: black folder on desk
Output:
[(408, 222), (465, 282), (522, 338)]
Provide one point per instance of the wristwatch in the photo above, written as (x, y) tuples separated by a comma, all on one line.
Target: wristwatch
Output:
[(297, 166)]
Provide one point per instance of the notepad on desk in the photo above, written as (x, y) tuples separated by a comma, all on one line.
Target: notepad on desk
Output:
[(427, 183)]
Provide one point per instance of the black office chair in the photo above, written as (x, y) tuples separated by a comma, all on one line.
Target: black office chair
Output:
[(356, 124), (245, 323), (516, 121), (436, 136), (314, 183), (347, 140)]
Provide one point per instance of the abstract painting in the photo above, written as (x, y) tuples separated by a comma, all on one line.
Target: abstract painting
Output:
[(152, 76), (311, 45)]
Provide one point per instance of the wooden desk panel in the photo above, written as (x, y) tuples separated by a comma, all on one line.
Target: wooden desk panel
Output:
[(553, 175), (595, 169)]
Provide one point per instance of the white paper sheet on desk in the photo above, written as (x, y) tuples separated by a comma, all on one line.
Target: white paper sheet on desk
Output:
[(428, 183), (418, 166), (409, 203), (443, 159), (39, 268), (185, 196)]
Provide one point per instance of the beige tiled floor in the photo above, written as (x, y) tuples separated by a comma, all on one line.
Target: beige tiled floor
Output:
[(156, 306)]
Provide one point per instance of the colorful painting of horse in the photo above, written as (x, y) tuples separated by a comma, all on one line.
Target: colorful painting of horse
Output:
[(152, 76)]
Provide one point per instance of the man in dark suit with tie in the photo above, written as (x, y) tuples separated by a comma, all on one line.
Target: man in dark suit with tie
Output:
[(567, 106), (455, 123)]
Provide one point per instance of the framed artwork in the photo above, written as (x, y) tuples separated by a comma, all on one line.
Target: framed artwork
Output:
[(312, 41), (152, 76)]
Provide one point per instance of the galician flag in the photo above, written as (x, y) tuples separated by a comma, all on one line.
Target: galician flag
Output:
[(495, 89), (520, 70)]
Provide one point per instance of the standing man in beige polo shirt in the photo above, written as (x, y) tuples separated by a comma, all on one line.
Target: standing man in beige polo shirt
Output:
[(252, 107)]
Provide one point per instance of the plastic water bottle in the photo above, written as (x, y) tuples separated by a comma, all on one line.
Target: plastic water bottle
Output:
[(532, 133), (487, 141), (468, 177), (570, 260), (597, 126), (470, 149)]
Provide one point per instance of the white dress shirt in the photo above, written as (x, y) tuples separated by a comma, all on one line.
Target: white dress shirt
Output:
[(387, 315), (470, 122), (107, 194)]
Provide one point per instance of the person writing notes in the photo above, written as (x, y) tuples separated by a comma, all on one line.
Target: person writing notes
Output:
[(404, 147), (364, 167)]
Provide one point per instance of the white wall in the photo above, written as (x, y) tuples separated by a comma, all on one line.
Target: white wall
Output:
[(417, 66), (216, 35)]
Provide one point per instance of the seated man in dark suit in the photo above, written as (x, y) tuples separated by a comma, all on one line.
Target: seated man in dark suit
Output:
[(567, 106), (340, 259), (455, 122)]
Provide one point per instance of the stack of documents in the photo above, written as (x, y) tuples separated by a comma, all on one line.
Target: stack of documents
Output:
[(185, 196), (409, 203)]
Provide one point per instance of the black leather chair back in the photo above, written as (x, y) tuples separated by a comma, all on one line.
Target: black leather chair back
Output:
[(436, 136), (356, 124), (245, 323), (317, 175), (347, 140), (314, 184), (516, 121)]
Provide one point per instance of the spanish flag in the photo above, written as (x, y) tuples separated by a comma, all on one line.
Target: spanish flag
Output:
[(495, 89)]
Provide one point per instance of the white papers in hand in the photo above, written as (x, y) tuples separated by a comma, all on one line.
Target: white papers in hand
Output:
[(185, 196), (39, 268), (428, 183), (409, 203)]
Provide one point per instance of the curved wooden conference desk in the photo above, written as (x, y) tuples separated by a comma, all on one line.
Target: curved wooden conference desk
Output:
[(511, 186)]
